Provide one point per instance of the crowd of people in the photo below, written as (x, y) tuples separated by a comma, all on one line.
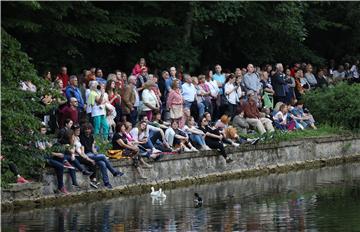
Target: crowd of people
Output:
[(144, 116)]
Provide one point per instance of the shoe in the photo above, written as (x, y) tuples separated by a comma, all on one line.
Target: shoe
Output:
[(64, 191), (187, 149), (108, 186), (235, 144), (118, 174), (207, 148), (229, 160), (21, 180), (94, 185), (76, 186), (156, 151), (68, 165), (87, 173), (255, 141), (194, 149)]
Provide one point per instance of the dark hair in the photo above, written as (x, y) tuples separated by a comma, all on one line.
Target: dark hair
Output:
[(118, 127), (174, 121), (66, 139), (75, 126), (231, 76), (67, 121)]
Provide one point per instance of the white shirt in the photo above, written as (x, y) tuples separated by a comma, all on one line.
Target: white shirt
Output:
[(149, 97), (232, 97), (188, 92), (137, 99), (214, 88), (354, 71)]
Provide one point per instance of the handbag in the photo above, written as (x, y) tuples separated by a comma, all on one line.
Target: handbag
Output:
[(116, 154)]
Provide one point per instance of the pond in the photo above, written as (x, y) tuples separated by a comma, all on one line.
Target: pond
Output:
[(325, 199)]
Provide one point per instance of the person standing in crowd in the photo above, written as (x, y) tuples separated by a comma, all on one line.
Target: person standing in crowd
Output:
[(301, 84), (252, 82), (169, 81), (63, 76), (98, 111), (130, 101), (188, 91), (310, 76), (175, 102), (355, 71), (230, 92), (139, 67), (72, 90), (150, 101), (219, 78), (290, 94), (100, 77), (279, 84), (214, 90), (202, 95)]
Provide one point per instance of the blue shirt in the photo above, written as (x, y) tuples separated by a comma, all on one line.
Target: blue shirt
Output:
[(101, 80), (220, 78), (74, 92)]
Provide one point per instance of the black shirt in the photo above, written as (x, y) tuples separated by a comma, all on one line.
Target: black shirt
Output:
[(87, 142), (116, 137), (210, 130)]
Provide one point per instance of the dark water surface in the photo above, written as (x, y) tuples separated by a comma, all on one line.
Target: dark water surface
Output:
[(326, 199)]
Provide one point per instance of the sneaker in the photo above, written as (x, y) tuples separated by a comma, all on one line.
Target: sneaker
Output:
[(235, 144), (194, 149), (255, 141), (108, 186), (187, 149), (21, 180), (64, 191), (94, 185), (87, 173), (229, 160), (156, 151), (207, 148), (118, 174), (68, 165)]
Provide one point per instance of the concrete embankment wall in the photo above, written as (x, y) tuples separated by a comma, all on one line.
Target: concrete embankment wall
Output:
[(190, 168)]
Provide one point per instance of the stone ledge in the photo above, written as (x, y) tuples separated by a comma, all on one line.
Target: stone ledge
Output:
[(189, 168)]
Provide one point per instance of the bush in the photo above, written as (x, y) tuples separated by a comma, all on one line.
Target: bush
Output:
[(336, 105), (19, 123)]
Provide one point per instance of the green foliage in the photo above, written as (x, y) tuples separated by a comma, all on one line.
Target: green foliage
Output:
[(18, 121), (115, 34), (336, 105)]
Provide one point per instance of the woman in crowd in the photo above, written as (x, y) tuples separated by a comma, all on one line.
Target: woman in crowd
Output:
[(301, 84), (150, 100), (310, 76), (230, 92), (139, 67), (213, 138), (178, 139), (175, 101), (230, 134), (282, 120), (195, 135), (120, 142), (158, 122), (205, 93), (97, 102)]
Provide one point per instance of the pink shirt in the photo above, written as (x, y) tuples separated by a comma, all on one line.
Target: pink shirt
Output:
[(174, 98)]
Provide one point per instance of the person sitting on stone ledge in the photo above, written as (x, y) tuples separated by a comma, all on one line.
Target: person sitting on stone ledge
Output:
[(197, 136), (178, 139), (88, 142), (121, 142), (213, 138)]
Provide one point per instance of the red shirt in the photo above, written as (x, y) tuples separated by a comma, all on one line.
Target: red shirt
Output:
[(68, 112), (64, 78)]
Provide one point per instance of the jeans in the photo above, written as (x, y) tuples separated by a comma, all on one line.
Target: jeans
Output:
[(58, 165), (187, 104), (100, 121), (104, 164), (133, 117), (197, 139), (201, 107)]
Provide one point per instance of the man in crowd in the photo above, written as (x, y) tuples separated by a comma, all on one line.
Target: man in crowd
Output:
[(63, 76), (69, 111), (279, 84), (72, 90)]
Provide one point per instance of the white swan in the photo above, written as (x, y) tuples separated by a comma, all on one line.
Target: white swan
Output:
[(161, 194), (154, 193)]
